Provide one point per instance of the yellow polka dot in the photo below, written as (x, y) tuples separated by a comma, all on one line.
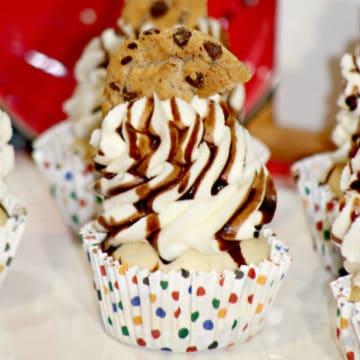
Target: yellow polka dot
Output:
[(106, 290), (2, 267), (122, 269), (305, 203), (262, 279), (222, 313), (259, 308), (137, 320), (152, 298), (344, 323)]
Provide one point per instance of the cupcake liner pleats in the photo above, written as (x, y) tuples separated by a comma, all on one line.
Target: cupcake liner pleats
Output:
[(70, 177), (347, 319), (184, 311), (11, 234), (321, 207)]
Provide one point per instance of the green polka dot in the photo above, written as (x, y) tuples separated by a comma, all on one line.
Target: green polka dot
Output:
[(53, 190), (216, 303), (75, 219), (272, 283), (99, 199), (326, 235), (125, 330), (234, 324), (307, 191), (194, 316), (110, 286), (110, 321), (73, 195), (337, 312), (81, 237), (183, 333), (164, 284), (120, 305)]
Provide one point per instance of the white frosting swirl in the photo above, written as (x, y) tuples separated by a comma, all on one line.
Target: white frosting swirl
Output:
[(181, 175), (6, 151), (84, 106)]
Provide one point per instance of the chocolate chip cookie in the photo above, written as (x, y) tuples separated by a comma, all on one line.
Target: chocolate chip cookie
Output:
[(171, 62)]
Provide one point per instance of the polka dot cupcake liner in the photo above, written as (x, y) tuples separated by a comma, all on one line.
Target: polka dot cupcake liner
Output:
[(184, 311), (347, 319), (320, 206), (69, 176), (10, 234)]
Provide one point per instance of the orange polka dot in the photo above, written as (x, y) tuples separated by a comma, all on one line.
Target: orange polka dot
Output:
[(122, 269), (152, 298), (344, 323), (137, 320), (262, 279), (259, 308), (2, 267), (106, 290), (305, 202), (222, 313)]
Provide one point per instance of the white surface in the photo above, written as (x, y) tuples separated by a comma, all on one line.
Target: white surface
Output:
[(316, 35), (48, 308)]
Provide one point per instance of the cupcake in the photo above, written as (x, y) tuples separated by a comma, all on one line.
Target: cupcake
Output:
[(12, 214), (318, 176), (63, 153), (181, 255), (345, 233)]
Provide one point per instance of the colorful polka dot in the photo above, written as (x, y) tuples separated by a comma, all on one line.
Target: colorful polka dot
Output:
[(208, 325), (160, 312), (222, 313), (122, 269), (110, 321), (326, 234), (164, 284), (155, 334), (175, 295), (141, 342), (185, 273), (194, 316), (213, 345), (103, 270), (215, 303), (137, 320), (114, 306), (259, 308), (191, 349), (146, 281), (239, 274), (183, 333), (120, 305), (234, 324), (125, 331), (350, 355), (262, 279), (344, 323), (250, 298), (200, 291), (135, 301), (177, 313), (233, 298), (252, 273), (68, 176)]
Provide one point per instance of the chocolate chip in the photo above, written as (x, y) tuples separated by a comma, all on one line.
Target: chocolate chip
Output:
[(181, 36), (126, 60), (113, 86), (214, 50), (128, 95), (158, 9), (198, 82), (151, 31), (351, 102), (185, 273), (213, 345), (132, 45)]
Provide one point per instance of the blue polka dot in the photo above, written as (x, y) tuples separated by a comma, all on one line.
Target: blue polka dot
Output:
[(135, 301), (166, 349), (190, 289), (208, 325), (68, 176), (160, 312), (114, 307)]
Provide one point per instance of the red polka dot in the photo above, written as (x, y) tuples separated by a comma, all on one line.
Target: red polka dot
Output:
[(134, 280), (116, 285), (155, 334), (102, 270), (319, 225), (350, 355), (221, 281), (200, 291), (317, 207), (330, 206), (191, 349), (252, 273), (141, 342), (250, 298), (233, 298), (337, 332), (177, 313), (175, 295), (46, 164), (82, 203), (245, 326)]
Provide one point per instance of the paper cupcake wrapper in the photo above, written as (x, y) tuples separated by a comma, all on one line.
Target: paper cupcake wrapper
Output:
[(10, 234), (184, 311), (347, 319), (71, 179), (320, 207)]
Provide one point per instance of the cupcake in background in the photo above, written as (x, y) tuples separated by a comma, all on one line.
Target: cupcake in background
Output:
[(345, 233), (318, 176), (181, 258), (63, 153), (12, 214)]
